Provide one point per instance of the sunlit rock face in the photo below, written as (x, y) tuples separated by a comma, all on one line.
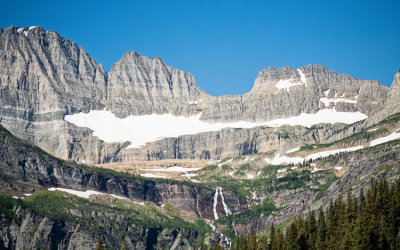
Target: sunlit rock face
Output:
[(140, 85), (45, 78)]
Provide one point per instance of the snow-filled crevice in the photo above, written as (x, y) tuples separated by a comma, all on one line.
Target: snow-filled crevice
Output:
[(288, 83)]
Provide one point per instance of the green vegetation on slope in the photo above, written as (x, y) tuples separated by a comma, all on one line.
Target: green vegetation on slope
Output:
[(57, 206), (266, 208), (370, 222)]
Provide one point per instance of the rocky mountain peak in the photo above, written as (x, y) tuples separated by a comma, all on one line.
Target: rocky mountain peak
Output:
[(396, 81), (141, 85), (272, 79)]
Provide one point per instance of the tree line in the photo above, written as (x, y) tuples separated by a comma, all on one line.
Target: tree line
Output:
[(369, 221)]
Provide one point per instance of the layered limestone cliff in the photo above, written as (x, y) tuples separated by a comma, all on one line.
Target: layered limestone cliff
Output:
[(44, 77), (140, 85), (287, 92)]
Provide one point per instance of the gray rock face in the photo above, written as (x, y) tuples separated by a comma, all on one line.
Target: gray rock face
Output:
[(44, 77), (38, 232), (140, 85), (265, 101), (393, 102)]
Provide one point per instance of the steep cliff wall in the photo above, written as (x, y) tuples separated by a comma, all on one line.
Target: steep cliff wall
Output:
[(44, 77)]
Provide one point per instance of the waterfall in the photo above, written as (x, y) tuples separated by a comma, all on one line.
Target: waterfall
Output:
[(218, 191), (215, 204), (226, 208)]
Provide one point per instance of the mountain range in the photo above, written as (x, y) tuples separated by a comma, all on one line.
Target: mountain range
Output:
[(296, 140)]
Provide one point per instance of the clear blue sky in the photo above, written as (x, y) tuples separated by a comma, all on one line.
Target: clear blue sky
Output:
[(225, 43)]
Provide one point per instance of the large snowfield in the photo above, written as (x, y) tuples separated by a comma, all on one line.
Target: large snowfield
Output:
[(139, 130)]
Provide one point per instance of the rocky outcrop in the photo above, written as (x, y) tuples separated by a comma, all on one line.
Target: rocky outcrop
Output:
[(28, 230)]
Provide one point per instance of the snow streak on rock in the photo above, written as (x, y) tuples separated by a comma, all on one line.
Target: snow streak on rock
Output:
[(287, 83), (393, 136), (278, 159)]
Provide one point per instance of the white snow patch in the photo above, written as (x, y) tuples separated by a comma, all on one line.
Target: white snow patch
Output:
[(315, 170), (293, 150), (293, 168), (374, 102), (32, 27), (231, 173), (224, 162), (171, 169), (84, 194), (282, 170), (287, 83), (258, 173), (393, 136), (26, 33), (322, 116), (302, 76), (139, 203), (372, 130), (27, 194), (325, 154), (250, 176), (326, 101), (279, 160), (150, 175), (83, 161), (356, 96), (119, 197), (326, 92), (140, 130), (194, 102), (338, 168), (20, 29), (15, 197), (189, 175)]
